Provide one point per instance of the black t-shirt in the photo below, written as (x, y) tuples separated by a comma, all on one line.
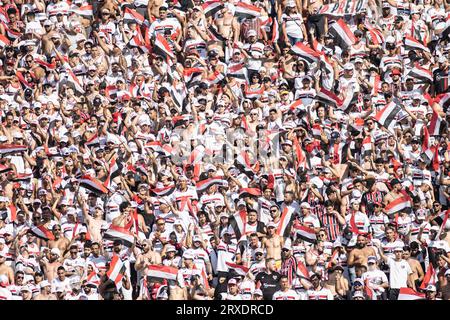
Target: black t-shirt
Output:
[(270, 283)]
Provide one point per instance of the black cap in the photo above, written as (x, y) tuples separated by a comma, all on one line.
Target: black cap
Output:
[(394, 182), (163, 8)]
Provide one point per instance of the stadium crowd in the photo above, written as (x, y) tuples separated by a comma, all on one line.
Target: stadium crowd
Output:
[(233, 150)]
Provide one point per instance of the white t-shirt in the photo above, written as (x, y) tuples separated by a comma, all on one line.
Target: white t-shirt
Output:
[(286, 295), (399, 271)]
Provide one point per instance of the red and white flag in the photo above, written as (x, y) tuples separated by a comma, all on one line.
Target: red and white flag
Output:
[(42, 232), (239, 269), (118, 233), (205, 184), (238, 222), (420, 73), (287, 214), (162, 272), (343, 32), (329, 97), (116, 269), (410, 294), (162, 48), (86, 10), (93, 184), (9, 148), (387, 115), (131, 15), (305, 233), (72, 78), (398, 204), (163, 191), (244, 10), (211, 7), (434, 126), (305, 52), (414, 44)]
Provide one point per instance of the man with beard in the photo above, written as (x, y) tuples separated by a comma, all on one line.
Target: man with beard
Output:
[(269, 280), (360, 254)]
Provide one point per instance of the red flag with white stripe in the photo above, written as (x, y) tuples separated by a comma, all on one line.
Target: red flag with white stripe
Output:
[(305, 52), (398, 204), (434, 125), (162, 272), (118, 233), (9, 148), (387, 115), (410, 294), (93, 184), (343, 32), (239, 269), (116, 269), (305, 233)]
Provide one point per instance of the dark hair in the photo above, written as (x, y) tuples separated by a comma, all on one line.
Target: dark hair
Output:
[(328, 203), (61, 268)]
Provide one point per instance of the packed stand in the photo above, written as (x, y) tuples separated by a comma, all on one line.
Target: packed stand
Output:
[(242, 150)]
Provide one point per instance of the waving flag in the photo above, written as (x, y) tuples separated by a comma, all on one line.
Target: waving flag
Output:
[(115, 169), (86, 10), (375, 35), (343, 33), (72, 78), (329, 97), (239, 269), (434, 126), (205, 184), (131, 15), (443, 100), (305, 233), (48, 66), (163, 49), (237, 71), (116, 269), (42, 232), (211, 7), (12, 148), (386, 116), (429, 277), (192, 76), (244, 10), (118, 233), (398, 204), (93, 184), (284, 225), (420, 73), (414, 44), (237, 223), (162, 272), (305, 52), (410, 294), (163, 191)]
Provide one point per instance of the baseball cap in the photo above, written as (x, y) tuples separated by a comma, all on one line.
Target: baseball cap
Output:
[(259, 250), (188, 256), (287, 246), (305, 205), (232, 282), (358, 294), (56, 251), (251, 33), (442, 59), (348, 66), (44, 284), (398, 249), (372, 259), (257, 292), (171, 249), (358, 281), (271, 225), (431, 288), (196, 239)]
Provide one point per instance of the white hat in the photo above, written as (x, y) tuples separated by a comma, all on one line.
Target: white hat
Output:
[(171, 249), (348, 66), (196, 239), (442, 59), (232, 281), (44, 284), (305, 205), (431, 287), (358, 294), (251, 33)]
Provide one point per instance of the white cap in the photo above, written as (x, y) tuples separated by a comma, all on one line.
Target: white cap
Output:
[(431, 287), (305, 205), (44, 284), (434, 228), (251, 33), (348, 66), (442, 59)]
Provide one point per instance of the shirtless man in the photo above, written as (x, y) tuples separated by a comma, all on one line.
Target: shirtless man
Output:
[(60, 242), (273, 244), (5, 269), (359, 255), (416, 268), (147, 257), (45, 292), (94, 223), (395, 192), (227, 24), (51, 265), (153, 8)]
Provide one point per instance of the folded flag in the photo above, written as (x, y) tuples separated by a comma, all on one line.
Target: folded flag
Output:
[(398, 204)]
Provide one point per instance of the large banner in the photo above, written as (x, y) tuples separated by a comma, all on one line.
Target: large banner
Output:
[(343, 8)]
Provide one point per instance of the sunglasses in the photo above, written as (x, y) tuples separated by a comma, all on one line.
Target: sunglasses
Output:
[(273, 210)]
